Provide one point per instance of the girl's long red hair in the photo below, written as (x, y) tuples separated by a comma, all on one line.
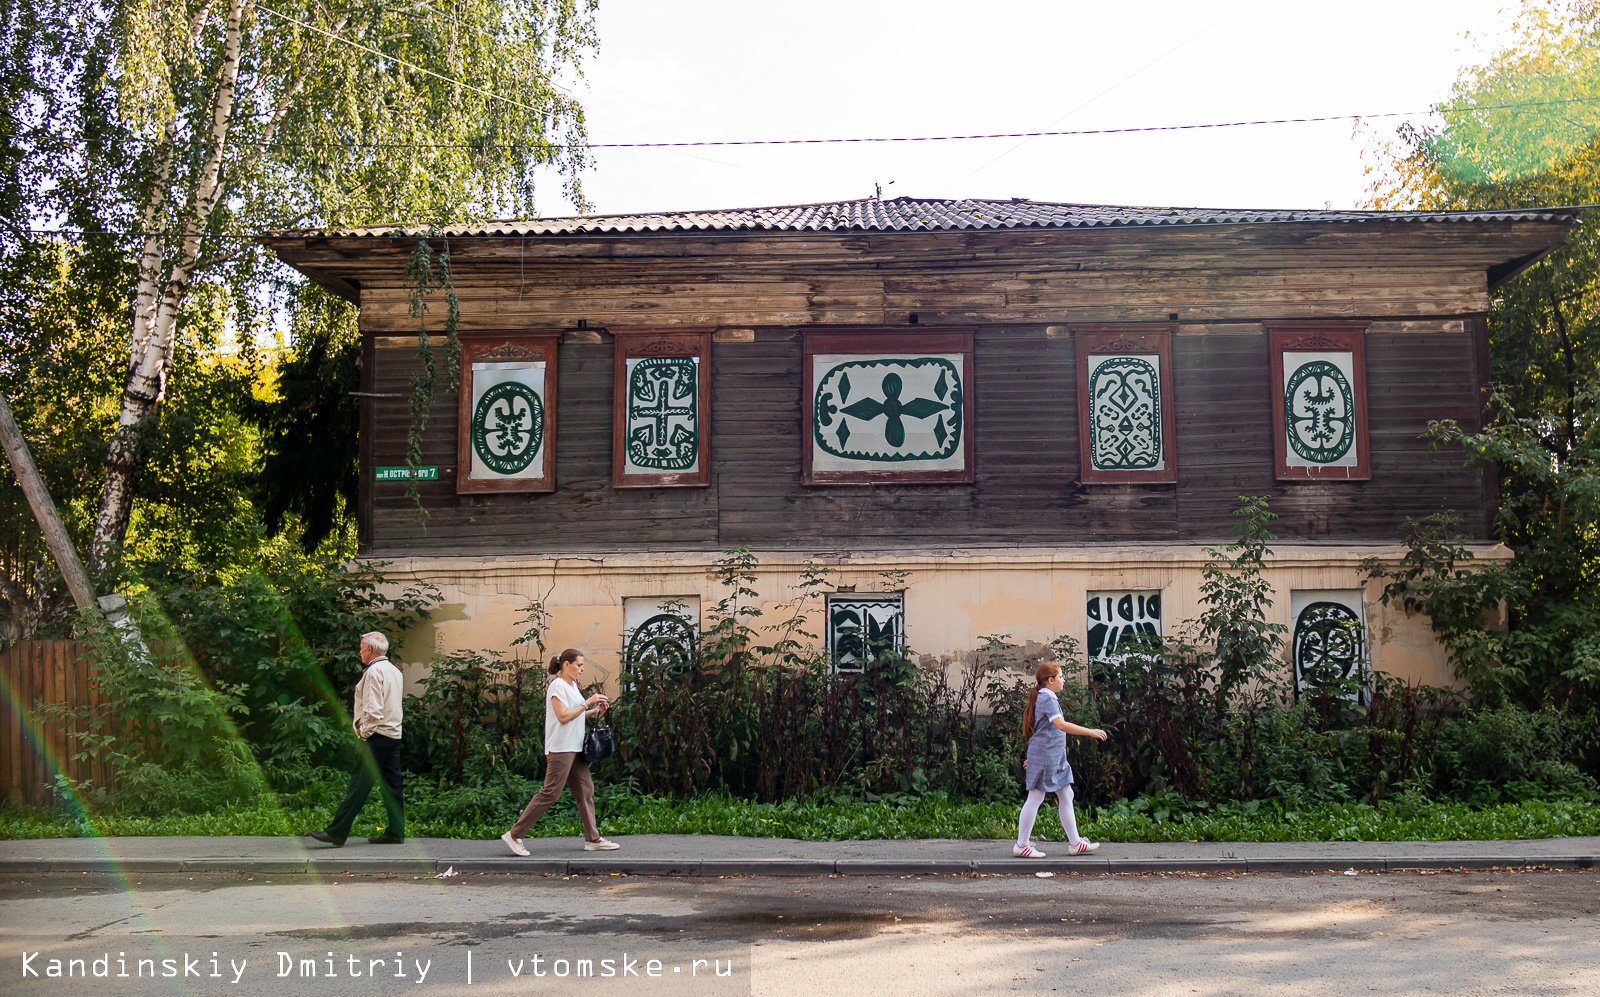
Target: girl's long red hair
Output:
[(1046, 671)]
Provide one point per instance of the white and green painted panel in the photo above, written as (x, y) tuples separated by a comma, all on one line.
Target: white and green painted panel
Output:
[(659, 632), (1114, 617), (890, 412), (862, 628), (662, 417), (1125, 413), (507, 434), (1319, 409), (1329, 644)]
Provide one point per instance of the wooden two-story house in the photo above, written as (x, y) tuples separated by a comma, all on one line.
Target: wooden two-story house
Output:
[(991, 417)]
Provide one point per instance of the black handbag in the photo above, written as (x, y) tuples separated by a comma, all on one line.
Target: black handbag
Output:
[(598, 744)]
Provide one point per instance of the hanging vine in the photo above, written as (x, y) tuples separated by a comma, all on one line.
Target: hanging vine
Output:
[(428, 272)]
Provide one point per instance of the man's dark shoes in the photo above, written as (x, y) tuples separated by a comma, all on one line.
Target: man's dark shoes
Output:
[(326, 838), (386, 839)]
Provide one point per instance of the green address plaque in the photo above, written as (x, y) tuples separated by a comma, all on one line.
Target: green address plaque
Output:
[(403, 473)]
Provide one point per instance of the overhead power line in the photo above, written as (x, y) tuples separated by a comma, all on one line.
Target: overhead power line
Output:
[(859, 140), (1080, 131), (976, 136)]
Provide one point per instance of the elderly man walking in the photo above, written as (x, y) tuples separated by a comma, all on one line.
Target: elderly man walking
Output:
[(376, 717)]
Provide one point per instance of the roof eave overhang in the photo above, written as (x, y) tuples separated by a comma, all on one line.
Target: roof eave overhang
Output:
[(323, 256)]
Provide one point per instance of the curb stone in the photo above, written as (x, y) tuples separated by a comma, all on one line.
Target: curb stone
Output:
[(1316, 864), (1178, 865), (525, 866), (692, 868), (244, 864), (1021, 867), (767, 867), (633, 867), (416, 866), (901, 867)]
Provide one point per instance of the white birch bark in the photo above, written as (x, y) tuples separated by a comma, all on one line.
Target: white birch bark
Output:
[(159, 294)]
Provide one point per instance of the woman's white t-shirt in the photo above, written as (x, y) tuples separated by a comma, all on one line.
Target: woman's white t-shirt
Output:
[(560, 736)]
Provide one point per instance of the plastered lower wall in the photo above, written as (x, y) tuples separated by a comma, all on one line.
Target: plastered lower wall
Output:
[(952, 598)]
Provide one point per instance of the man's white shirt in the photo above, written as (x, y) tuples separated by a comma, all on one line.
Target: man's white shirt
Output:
[(378, 698)]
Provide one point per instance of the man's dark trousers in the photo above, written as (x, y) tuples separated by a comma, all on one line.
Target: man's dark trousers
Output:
[(377, 755)]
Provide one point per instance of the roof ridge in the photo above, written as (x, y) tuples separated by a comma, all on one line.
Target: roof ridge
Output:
[(908, 213)]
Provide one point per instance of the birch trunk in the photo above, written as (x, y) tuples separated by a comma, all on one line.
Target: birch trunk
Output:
[(158, 295)]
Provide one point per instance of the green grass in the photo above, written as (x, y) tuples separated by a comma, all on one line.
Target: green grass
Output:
[(482, 815)]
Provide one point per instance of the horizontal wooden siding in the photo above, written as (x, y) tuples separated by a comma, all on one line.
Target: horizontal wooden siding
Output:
[(1026, 490)]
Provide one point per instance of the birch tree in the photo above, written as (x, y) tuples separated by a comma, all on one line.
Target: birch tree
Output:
[(195, 125)]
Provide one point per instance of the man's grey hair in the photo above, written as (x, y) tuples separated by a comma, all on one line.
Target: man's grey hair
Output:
[(377, 641)]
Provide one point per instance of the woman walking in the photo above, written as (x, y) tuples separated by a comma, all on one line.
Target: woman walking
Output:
[(1047, 769), (565, 710)]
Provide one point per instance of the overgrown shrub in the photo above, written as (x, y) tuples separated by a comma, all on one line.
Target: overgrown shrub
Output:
[(243, 692), (221, 690), (760, 712)]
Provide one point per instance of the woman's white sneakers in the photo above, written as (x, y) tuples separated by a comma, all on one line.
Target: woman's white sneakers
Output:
[(515, 844), (1027, 851)]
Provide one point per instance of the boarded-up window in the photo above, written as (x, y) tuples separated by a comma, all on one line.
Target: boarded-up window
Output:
[(887, 407), (1319, 405), (1329, 645), (506, 436), (662, 409), (864, 628), (1114, 617), (1126, 416), (659, 631)]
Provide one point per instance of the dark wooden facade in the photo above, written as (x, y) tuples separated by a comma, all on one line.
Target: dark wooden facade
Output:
[(1422, 288)]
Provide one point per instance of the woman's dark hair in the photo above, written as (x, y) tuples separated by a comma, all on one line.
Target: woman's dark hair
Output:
[(570, 654), (1046, 671)]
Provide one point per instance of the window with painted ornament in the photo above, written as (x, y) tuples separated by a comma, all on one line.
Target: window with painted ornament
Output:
[(1114, 618), (864, 628), (1319, 401), (1328, 647), (887, 407), (1127, 422), (661, 408), (507, 409), (659, 632)]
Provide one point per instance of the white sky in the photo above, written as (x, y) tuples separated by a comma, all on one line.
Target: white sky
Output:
[(677, 70)]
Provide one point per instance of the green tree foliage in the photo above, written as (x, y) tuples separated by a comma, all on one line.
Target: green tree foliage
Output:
[(309, 466), (241, 685), (59, 331), (156, 139), (181, 129), (1543, 434), (59, 340)]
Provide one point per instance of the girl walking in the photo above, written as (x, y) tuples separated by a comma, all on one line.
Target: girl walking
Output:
[(565, 711), (1047, 769)]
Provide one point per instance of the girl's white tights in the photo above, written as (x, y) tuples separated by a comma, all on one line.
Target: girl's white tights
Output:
[(1030, 811)]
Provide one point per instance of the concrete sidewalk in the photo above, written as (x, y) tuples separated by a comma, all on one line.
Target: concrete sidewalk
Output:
[(707, 855)]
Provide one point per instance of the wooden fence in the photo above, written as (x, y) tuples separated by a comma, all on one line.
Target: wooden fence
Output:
[(35, 747)]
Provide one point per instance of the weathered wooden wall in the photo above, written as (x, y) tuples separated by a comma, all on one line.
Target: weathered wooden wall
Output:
[(1026, 492)]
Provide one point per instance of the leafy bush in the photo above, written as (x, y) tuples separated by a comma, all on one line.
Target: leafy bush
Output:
[(228, 689), (761, 712), (242, 695), (756, 711)]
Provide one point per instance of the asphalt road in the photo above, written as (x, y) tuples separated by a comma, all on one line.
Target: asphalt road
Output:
[(1390, 933)]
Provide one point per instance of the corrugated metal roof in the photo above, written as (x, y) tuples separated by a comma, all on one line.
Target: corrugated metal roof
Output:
[(914, 214)]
